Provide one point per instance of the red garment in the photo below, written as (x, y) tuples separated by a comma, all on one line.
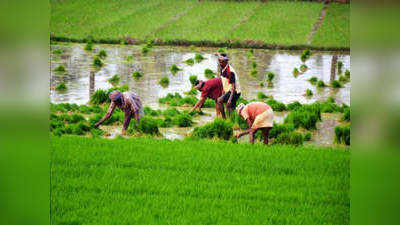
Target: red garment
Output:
[(212, 88)]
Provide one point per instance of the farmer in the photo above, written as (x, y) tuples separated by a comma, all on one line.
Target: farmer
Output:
[(259, 116), (209, 89), (230, 83), (128, 102)]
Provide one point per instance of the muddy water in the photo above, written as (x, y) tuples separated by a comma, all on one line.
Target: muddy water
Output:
[(286, 88)]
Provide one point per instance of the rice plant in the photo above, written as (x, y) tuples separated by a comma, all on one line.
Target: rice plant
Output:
[(347, 73), (58, 51), (290, 138), (89, 46), (164, 81), (97, 62), (114, 80), (102, 54), (343, 79), (136, 75), (219, 128), (145, 50), (174, 69), (307, 136), (320, 83), (270, 76), (99, 97), (60, 68), (342, 134), (309, 93), (190, 61), (303, 68), (192, 48), (276, 106), (208, 73), (340, 66), (254, 64), (336, 84), (61, 87), (193, 79), (313, 80), (296, 72), (261, 96), (198, 57), (254, 72)]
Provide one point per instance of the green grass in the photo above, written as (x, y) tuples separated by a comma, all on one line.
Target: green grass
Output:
[(280, 22), (150, 181), (173, 21), (335, 30)]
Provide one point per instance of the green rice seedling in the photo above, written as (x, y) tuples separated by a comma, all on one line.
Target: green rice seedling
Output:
[(346, 114), (174, 69), (307, 52), (114, 80), (74, 118), (189, 100), (277, 129), (85, 109), (290, 138), (276, 106), (183, 120), (145, 50), (121, 88), (164, 81), (347, 73), (343, 79), (340, 67), (193, 79), (320, 83), (89, 46), (58, 51), (253, 72), (209, 103), (242, 100), (170, 112), (296, 72), (254, 64), (60, 68), (238, 121), (99, 97), (261, 83), (102, 54), (191, 92), (303, 68), (147, 125), (306, 55), (330, 99), (307, 136), (61, 87), (97, 62), (219, 128), (58, 131), (190, 62), (270, 76), (336, 84), (95, 132), (149, 44), (261, 96), (198, 57), (167, 122), (167, 99), (80, 128), (151, 112), (208, 73), (294, 106), (192, 48), (313, 80), (136, 75), (222, 50), (309, 93), (128, 59), (342, 134), (303, 118)]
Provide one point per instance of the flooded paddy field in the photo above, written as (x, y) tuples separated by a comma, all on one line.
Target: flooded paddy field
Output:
[(82, 79)]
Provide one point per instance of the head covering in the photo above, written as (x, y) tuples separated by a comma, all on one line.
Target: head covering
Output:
[(224, 58), (115, 95), (239, 108)]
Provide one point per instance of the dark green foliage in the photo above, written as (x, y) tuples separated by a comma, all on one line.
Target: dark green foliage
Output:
[(60, 68), (102, 54), (336, 84), (191, 92), (342, 134), (261, 83), (347, 73), (313, 80), (97, 62), (208, 73), (58, 51), (219, 128), (306, 55), (340, 66), (174, 69), (177, 100), (151, 112), (85, 109), (61, 87), (294, 106), (193, 79), (307, 136), (96, 132), (73, 118), (261, 96), (116, 117), (309, 93), (330, 99), (136, 75), (63, 107), (145, 50), (99, 97), (242, 100), (303, 118), (147, 125), (276, 106), (222, 50), (122, 88), (303, 68), (198, 57), (89, 46), (183, 120), (254, 72), (114, 80), (346, 114), (343, 79), (320, 83), (289, 138), (296, 72), (190, 62), (277, 129), (170, 112), (254, 64), (164, 81), (270, 76), (209, 103), (238, 121)]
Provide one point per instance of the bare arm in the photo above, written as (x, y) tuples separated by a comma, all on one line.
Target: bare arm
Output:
[(198, 104), (127, 120), (250, 130), (108, 114)]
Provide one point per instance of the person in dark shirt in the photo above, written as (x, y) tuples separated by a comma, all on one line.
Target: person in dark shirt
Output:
[(210, 89)]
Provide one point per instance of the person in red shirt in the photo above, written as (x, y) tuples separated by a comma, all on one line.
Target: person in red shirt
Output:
[(209, 89), (259, 116)]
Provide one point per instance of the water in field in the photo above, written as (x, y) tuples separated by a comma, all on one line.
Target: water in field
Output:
[(82, 79)]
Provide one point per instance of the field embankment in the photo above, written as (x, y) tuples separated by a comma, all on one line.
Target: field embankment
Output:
[(152, 181), (274, 24)]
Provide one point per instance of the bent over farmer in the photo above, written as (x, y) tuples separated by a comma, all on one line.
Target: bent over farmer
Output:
[(259, 116), (129, 103), (209, 89)]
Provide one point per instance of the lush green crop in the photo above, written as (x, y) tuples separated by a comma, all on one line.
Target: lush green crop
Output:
[(61, 87), (157, 181)]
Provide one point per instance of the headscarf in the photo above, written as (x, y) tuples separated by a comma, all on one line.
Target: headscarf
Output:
[(239, 108), (115, 95)]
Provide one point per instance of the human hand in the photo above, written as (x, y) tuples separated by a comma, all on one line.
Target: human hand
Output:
[(96, 125)]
